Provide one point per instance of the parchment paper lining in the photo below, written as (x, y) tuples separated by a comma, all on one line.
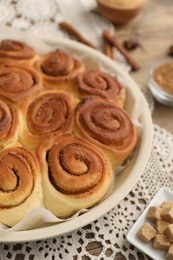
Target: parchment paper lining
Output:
[(134, 106)]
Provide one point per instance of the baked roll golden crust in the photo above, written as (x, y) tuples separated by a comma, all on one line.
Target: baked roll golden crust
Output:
[(48, 115), (107, 126), (16, 50), (51, 140), (20, 184), (10, 121), (98, 83), (18, 81), (75, 173), (58, 68)]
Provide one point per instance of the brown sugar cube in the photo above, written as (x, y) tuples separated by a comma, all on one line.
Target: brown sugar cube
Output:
[(169, 232), (166, 204), (146, 233), (161, 226), (167, 214), (161, 242), (154, 213), (169, 254)]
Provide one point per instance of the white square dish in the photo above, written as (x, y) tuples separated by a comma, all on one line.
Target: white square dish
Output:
[(164, 194)]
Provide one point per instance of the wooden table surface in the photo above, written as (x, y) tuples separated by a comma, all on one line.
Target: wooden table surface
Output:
[(153, 28)]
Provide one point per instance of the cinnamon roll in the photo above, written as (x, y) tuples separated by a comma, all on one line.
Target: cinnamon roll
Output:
[(98, 83), (48, 115), (16, 50), (107, 126), (62, 131), (18, 81), (10, 120), (20, 185), (75, 173), (58, 68)]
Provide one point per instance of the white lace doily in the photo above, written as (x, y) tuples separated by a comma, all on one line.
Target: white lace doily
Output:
[(107, 235)]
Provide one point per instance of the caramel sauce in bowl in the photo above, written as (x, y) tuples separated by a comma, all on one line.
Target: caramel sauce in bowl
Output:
[(161, 81)]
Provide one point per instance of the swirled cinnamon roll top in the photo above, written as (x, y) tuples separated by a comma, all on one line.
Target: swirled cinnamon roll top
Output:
[(20, 184), (76, 174), (98, 83), (106, 125), (48, 115), (10, 120), (59, 68), (18, 81), (16, 50), (66, 146)]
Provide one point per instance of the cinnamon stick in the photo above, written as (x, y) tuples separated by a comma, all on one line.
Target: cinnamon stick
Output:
[(74, 32), (108, 49), (114, 41)]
